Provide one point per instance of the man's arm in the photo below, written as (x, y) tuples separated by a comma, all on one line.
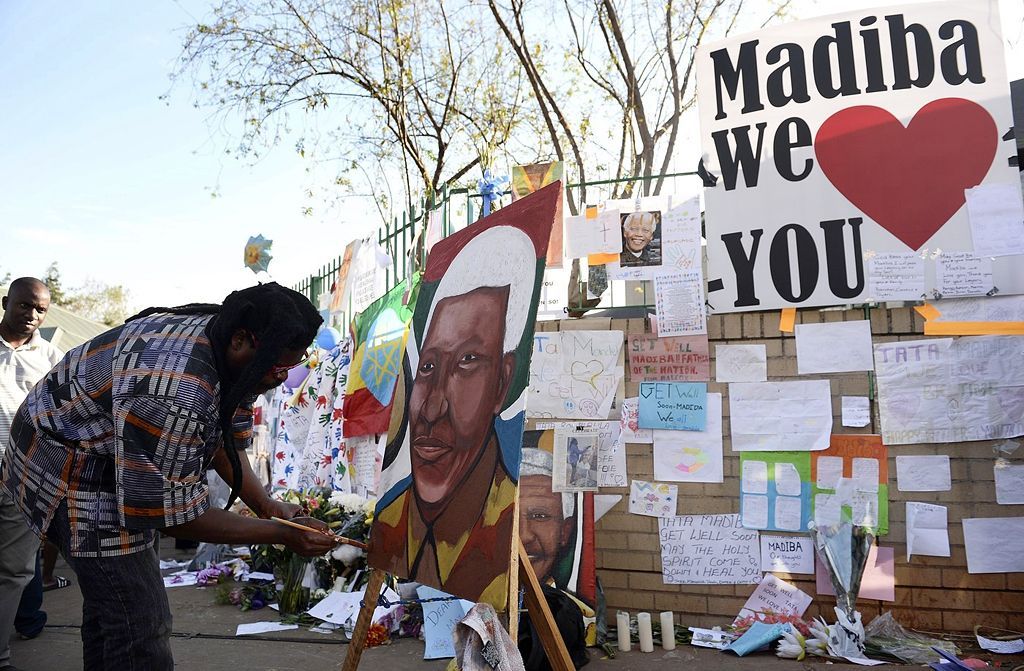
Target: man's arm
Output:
[(220, 526), (252, 493)]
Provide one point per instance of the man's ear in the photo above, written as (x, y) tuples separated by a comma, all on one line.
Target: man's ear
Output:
[(508, 369), (239, 339), (3, 303)]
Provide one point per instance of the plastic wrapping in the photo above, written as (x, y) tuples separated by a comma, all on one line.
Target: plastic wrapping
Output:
[(886, 636)]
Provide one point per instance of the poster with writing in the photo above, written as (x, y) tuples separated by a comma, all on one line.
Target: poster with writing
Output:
[(775, 490), (679, 302), (593, 233), (574, 374), (780, 415), (368, 277), (787, 554), (691, 456), (629, 423), (997, 219), (856, 411), (949, 391), (962, 274), (923, 473), (680, 238), (668, 359), (863, 459), (680, 406), (439, 620), (776, 596), (840, 136), (708, 550), (896, 276), (994, 544), (741, 363), (654, 499), (554, 294)]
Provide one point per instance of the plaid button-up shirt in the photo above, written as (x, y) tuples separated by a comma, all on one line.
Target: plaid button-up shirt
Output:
[(123, 429)]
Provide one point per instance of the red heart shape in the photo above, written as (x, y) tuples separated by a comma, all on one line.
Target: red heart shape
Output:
[(911, 180)]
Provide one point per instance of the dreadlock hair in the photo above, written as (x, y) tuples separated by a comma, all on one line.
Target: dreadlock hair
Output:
[(279, 318)]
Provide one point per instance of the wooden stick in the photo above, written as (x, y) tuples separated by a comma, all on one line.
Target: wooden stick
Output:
[(341, 540), (357, 643)]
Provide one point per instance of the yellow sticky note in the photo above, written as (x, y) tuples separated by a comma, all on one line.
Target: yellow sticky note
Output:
[(787, 320)]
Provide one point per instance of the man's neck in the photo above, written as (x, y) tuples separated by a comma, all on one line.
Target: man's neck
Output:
[(12, 339)]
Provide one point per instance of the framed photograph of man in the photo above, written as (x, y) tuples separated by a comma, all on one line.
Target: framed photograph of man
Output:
[(641, 239), (451, 466)]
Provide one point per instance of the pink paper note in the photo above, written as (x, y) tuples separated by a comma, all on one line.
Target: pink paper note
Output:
[(879, 580)]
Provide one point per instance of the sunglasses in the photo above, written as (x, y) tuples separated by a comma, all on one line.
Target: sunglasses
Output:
[(278, 369)]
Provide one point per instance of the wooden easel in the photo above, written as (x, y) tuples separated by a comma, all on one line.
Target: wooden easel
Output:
[(536, 605)]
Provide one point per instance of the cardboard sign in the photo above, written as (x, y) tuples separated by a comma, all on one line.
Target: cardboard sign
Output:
[(673, 405), (681, 358), (845, 136)]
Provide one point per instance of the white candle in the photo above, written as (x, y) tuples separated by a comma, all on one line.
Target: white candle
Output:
[(622, 628), (668, 631), (643, 625)]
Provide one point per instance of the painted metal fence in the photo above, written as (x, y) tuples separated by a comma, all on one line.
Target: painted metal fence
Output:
[(456, 205)]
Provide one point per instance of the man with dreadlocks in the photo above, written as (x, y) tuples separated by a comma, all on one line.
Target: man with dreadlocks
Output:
[(114, 443)]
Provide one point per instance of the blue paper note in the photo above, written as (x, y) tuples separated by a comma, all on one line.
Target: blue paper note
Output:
[(439, 620), (673, 405)]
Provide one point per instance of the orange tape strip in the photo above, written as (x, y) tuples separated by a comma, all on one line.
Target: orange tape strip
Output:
[(787, 320), (928, 311), (601, 259), (973, 328)]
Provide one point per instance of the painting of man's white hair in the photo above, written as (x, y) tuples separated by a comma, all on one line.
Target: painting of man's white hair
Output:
[(499, 257)]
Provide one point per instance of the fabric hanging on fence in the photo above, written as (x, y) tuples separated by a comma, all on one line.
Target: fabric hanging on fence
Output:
[(379, 335), (529, 178)]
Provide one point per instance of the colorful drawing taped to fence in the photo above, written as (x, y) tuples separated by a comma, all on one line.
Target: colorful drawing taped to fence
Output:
[(379, 333), (575, 374), (451, 466), (527, 179)]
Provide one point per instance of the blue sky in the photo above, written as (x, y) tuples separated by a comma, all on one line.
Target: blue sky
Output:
[(102, 176)]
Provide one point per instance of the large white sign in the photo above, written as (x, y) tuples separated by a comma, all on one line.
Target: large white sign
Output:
[(839, 139)]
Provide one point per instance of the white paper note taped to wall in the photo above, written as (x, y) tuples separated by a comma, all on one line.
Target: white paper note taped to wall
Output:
[(1009, 482), (856, 411), (994, 544), (741, 363), (927, 530), (770, 416), (997, 219), (833, 347), (925, 473)]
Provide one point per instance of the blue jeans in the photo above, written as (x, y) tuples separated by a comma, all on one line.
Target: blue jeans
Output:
[(31, 618), (126, 619)]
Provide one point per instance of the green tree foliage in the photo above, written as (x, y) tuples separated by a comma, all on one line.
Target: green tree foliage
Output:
[(416, 88), (99, 302), (54, 284)]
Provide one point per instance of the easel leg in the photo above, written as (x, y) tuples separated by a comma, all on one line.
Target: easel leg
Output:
[(540, 615), (363, 622)]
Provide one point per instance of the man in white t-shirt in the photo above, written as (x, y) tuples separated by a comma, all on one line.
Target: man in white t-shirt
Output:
[(25, 358)]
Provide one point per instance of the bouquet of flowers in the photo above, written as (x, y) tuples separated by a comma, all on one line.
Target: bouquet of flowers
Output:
[(347, 515)]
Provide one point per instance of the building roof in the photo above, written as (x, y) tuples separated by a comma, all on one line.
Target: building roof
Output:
[(64, 328)]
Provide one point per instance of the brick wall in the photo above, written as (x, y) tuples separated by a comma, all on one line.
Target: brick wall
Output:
[(932, 593)]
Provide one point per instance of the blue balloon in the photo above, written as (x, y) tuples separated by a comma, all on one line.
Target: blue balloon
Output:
[(328, 338)]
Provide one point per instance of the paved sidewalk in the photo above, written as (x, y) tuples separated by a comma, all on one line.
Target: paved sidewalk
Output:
[(204, 639)]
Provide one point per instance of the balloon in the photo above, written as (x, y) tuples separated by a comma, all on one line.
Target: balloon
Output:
[(296, 376), (328, 338)]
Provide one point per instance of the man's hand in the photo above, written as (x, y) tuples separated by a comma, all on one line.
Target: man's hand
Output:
[(282, 509), (307, 543)]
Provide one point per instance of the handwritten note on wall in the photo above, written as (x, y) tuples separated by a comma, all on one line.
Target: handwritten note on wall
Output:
[(708, 550), (741, 363), (780, 415), (667, 359), (673, 405), (949, 391), (691, 456), (574, 374)]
